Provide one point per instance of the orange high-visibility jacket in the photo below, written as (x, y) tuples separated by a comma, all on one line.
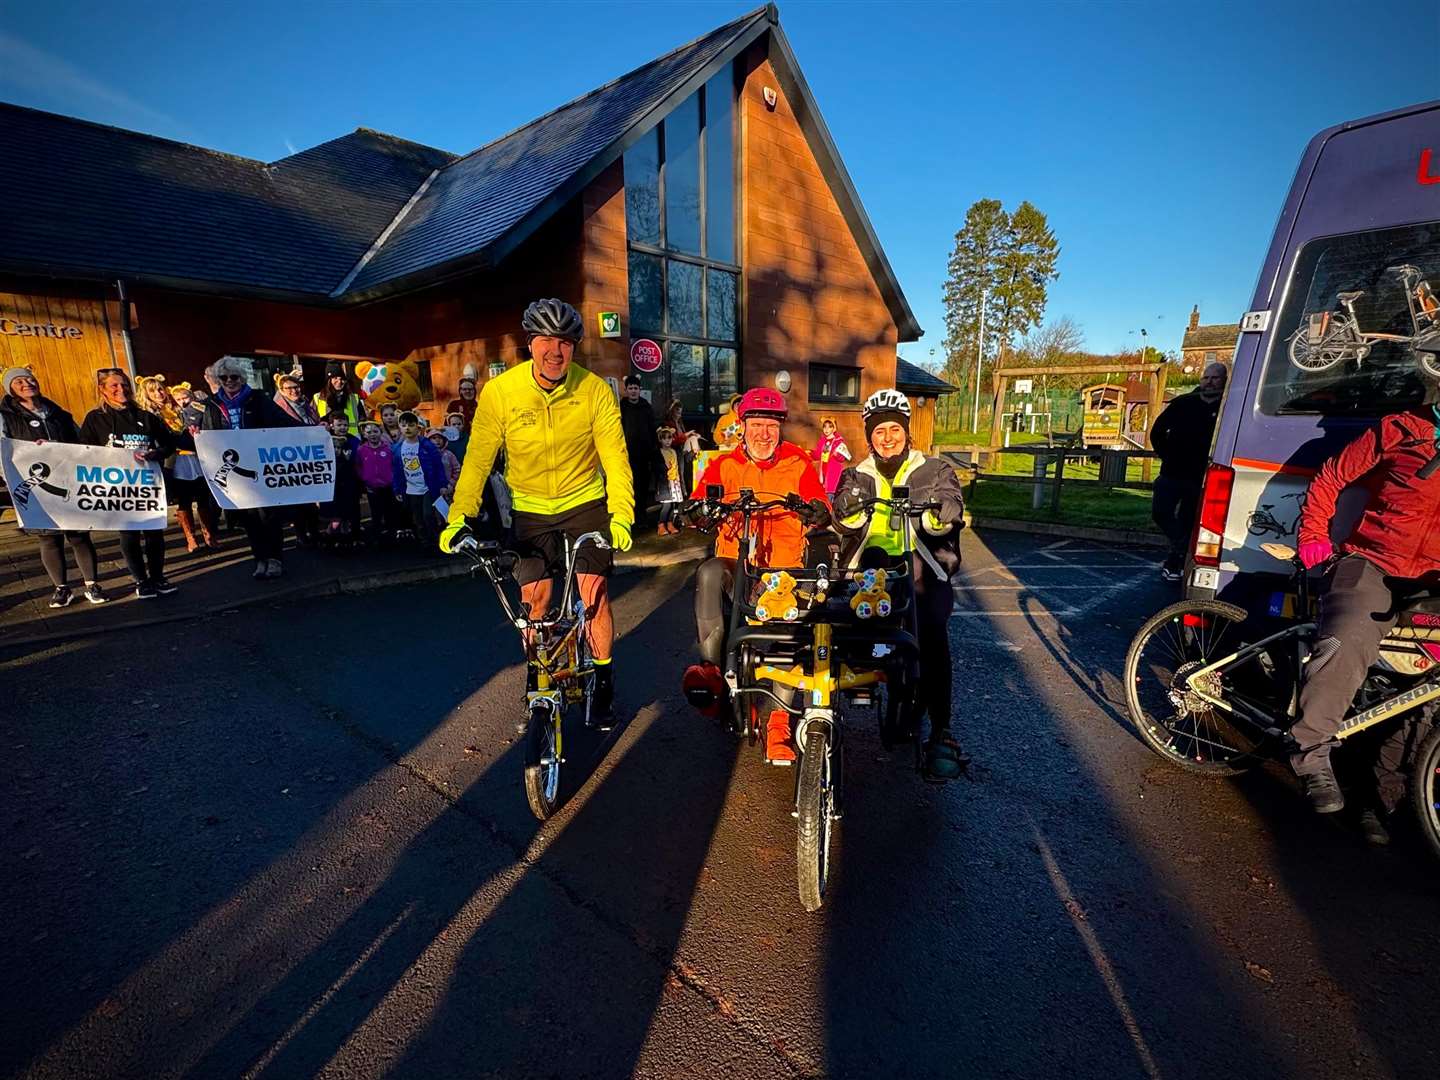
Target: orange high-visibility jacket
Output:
[(780, 538)]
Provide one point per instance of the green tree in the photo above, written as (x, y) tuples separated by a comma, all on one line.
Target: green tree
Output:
[(1004, 261)]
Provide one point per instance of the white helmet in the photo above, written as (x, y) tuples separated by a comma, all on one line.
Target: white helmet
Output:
[(885, 401)]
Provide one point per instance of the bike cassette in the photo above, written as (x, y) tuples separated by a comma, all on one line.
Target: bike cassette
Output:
[(1185, 695)]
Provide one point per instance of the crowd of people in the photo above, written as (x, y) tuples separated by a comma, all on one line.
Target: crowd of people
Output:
[(389, 460)]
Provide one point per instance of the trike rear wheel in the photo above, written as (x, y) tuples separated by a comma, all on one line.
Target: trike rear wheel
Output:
[(1167, 709)]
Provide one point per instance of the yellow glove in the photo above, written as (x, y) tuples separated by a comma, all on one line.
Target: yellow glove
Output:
[(456, 537), (620, 535)]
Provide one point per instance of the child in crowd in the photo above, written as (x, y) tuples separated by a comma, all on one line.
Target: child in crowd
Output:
[(390, 422), (669, 492), (375, 470), (441, 440), (419, 477), (341, 515), (458, 435)]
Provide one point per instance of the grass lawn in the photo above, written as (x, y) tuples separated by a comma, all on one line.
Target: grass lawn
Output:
[(1113, 508)]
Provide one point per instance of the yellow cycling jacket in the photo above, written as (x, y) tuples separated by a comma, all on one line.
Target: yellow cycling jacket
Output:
[(555, 446)]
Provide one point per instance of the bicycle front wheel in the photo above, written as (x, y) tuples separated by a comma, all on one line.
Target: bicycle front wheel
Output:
[(815, 808), (1341, 341), (1166, 706), (542, 761)]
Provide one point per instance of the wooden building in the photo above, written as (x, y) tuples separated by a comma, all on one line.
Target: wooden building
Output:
[(700, 198)]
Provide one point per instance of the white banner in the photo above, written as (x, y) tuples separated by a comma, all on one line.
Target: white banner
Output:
[(267, 466), (82, 488)]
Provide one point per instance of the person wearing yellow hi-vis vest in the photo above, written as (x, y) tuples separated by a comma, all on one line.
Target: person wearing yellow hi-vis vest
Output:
[(872, 542), (567, 469)]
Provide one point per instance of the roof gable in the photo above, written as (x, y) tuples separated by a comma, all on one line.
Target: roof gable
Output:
[(506, 189)]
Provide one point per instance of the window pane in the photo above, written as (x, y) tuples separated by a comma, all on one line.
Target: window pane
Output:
[(685, 316), (720, 167), (720, 305), (645, 294), (724, 377), (849, 385), (682, 177), (687, 375), (819, 383), (642, 189), (1321, 360)]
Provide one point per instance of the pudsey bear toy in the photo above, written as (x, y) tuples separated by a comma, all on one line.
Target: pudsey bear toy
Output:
[(391, 383), (778, 599), (870, 599)]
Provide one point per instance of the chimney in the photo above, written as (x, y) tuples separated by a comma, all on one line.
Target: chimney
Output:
[(1195, 317)]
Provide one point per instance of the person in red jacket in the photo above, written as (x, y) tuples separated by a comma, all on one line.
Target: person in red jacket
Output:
[(772, 468), (1393, 553)]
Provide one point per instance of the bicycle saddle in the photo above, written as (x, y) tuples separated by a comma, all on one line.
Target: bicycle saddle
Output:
[(1427, 605), (1349, 297)]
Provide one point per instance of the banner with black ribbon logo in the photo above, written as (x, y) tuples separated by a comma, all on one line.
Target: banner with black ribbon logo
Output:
[(267, 466), (82, 488)]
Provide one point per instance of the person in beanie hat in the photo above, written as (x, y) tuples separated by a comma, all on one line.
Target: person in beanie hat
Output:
[(466, 403), (872, 541)]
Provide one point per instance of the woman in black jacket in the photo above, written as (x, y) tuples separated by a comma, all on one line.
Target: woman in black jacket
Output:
[(873, 542), (236, 405), (119, 421), (30, 416)]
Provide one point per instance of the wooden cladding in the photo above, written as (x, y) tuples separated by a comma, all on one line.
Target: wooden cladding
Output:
[(64, 340)]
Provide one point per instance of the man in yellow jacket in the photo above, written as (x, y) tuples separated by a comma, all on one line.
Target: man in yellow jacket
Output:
[(559, 426)]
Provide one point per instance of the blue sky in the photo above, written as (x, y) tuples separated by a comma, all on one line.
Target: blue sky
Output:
[(1160, 139)]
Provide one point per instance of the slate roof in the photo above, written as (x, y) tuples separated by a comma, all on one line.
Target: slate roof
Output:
[(912, 378), (1215, 336), (362, 216), (84, 199), (475, 201)]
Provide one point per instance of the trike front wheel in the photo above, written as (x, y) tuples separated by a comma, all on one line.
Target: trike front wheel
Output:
[(815, 809), (542, 761), (1169, 709)]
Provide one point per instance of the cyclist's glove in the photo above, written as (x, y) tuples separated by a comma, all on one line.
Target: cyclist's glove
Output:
[(812, 514), (620, 535), (457, 537)]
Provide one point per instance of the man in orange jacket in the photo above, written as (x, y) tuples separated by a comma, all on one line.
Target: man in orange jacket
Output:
[(772, 469)]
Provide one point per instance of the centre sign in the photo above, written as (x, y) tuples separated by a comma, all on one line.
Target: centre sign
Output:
[(14, 328)]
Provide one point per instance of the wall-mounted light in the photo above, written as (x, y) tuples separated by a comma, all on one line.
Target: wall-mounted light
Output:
[(920, 401), (782, 381), (771, 98)]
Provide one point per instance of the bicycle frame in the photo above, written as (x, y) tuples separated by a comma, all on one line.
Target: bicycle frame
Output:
[(1205, 682), (548, 641)]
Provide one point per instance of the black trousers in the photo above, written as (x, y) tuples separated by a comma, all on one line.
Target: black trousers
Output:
[(644, 478), (1173, 508), (1356, 613), (265, 529), (52, 555), (144, 553)]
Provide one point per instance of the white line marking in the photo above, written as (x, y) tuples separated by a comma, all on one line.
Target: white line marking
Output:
[(1097, 954)]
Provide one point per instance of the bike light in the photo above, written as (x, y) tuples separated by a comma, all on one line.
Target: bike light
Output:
[(1197, 622), (1214, 509)]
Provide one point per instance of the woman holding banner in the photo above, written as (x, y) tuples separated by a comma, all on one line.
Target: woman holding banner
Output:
[(119, 421), (30, 416), (236, 406)]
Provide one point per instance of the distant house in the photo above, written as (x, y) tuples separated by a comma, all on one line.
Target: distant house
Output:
[(1207, 344)]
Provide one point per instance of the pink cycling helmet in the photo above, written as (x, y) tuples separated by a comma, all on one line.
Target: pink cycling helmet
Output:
[(762, 401)]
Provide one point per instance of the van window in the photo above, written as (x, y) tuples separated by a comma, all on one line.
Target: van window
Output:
[(1323, 361)]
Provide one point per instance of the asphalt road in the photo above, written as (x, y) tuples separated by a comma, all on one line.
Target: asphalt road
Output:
[(293, 841)]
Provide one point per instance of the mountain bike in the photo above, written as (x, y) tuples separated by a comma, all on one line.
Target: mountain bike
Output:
[(1207, 700), (560, 672), (1327, 338), (819, 658)]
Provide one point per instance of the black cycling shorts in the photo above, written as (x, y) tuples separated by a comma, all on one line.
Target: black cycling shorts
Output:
[(539, 543)]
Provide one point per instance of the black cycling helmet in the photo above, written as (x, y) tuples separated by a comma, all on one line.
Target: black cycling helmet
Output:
[(553, 318)]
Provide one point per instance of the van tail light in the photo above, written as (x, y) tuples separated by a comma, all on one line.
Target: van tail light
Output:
[(1214, 509)]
